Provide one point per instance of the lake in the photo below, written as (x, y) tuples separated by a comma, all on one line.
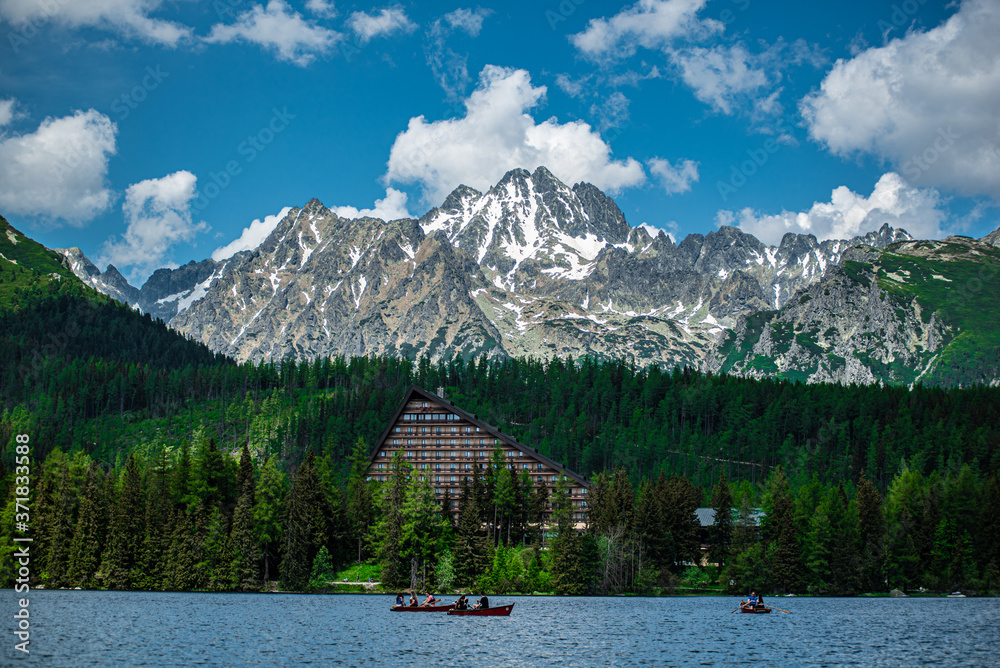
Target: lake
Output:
[(91, 628)]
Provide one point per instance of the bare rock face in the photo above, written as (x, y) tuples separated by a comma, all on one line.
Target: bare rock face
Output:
[(896, 315), (534, 267)]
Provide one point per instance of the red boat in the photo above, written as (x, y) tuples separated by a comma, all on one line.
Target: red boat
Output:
[(422, 608), (759, 610), (500, 611)]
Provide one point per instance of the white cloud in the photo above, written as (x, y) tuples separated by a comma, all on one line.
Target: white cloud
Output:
[(497, 135), (720, 75), (7, 113), (612, 112), (652, 24), (384, 23), (58, 171), (128, 17), (469, 21), (322, 8), (280, 29), (927, 103), (449, 67), (849, 214), (674, 178), (252, 236), (391, 207), (157, 217)]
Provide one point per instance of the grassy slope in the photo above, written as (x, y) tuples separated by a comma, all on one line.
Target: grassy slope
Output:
[(26, 264), (961, 283)]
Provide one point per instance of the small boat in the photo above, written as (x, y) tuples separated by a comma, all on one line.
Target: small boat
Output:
[(422, 608), (956, 594), (759, 610), (499, 611)]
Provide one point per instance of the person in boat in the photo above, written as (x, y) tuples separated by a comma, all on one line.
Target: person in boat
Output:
[(429, 601), (484, 602), (413, 600), (753, 600), (462, 603), (399, 600), (760, 601)]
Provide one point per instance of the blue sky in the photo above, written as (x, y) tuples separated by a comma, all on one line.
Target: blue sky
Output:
[(151, 133)]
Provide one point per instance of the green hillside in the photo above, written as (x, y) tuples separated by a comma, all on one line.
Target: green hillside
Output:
[(960, 280)]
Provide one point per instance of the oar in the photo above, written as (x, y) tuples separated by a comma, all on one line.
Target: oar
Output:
[(779, 609)]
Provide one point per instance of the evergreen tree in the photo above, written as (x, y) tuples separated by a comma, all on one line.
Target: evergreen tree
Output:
[(387, 533), (126, 524), (871, 536), (85, 548), (248, 555), (305, 525), (722, 527), (268, 513)]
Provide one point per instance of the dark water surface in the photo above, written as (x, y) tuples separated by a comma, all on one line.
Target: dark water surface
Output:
[(82, 628)]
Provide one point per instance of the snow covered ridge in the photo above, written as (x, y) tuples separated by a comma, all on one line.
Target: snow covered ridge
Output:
[(531, 266)]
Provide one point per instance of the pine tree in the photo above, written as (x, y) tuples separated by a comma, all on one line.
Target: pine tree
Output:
[(305, 527), (126, 524), (268, 513), (722, 527), (85, 548), (248, 555), (871, 535), (387, 533)]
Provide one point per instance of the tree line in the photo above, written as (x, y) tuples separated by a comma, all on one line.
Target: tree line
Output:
[(209, 520)]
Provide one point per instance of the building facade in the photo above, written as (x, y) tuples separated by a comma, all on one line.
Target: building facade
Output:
[(443, 443)]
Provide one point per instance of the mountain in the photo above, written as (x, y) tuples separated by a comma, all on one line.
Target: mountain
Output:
[(913, 311), (531, 267)]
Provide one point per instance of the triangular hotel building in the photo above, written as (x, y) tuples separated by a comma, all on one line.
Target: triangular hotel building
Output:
[(443, 441)]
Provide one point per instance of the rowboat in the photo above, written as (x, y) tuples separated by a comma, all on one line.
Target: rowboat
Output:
[(759, 610), (500, 611), (422, 608)]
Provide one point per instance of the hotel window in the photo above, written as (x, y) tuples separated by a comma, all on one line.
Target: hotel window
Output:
[(555, 478), (583, 504), (454, 454), (539, 467), (468, 454), (409, 453), (583, 490), (468, 441), (510, 453), (381, 466), (438, 454), (482, 441), (425, 441), (454, 466), (454, 429), (437, 478), (524, 466), (383, 453), (398, 430), (438, 490), (437, 442), (426, 429), (409, 441), (468, 467), (437, 467), (424, 405), (541, 479), (454, 441), (454, 478), (468, 430)]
